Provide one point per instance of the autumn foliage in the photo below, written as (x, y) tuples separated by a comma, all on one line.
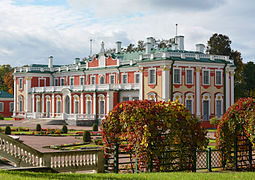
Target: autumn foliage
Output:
[(238, 122), (150, 129)]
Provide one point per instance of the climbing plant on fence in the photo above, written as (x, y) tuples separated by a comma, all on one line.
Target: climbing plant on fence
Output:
[(148, 130), (236, 125)]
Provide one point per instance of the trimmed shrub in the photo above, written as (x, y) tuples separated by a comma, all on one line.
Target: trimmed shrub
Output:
[(8, 130), (95, 127), (64, 129), (86, 136), (1, 117), (38, 127), (98, 141), (214, 121)]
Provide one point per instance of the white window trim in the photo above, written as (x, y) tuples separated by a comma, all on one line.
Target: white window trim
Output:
[(209, 77), (101, 99), (102, 76), (91, 79), (55, 82), (20, 84), (88, 98), (220, 77), (152, 96), (82, 77), (155, 69), (192, 75), (2, 106), (38, 99), (58, 99), (137, 73), (179, 74), (112, 75), (10, 107), (48, 99), (61, 81), (70, 78), (192, 100), (76, 98), (180, 97), (209, 99), (21, 101), (123, 74), (218, 99), (44, 79)]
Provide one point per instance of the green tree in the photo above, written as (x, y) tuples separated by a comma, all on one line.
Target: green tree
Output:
[(249, 78), (130, 48), (5, 74)]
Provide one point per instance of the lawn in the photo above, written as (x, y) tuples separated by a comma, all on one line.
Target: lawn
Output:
[(8, 118), (7, 175)]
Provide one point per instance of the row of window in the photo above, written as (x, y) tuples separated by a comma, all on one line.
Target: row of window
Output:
[(11, 107), (189, 76)]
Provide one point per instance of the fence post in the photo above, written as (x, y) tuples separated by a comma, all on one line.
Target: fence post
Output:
[(116, 158), (105, 164), (235, 154), (209, 160), (250, 154), (194, 161), (136, 162)]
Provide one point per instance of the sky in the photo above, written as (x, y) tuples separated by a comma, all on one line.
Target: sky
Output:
[(33, 30)]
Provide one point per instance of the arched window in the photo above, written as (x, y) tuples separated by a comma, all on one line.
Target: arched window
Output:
[(76, 104), (218, 105), (206, 101), (21, 109), (48, 106), (178, 96), (101, 104), (38, 104), (88, 104), (59, 104), (189, 101), (102, 81), (152, 96)]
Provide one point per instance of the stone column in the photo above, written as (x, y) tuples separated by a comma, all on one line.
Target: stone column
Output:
[(43, 104), (71, 103), (95, 105), (28, 87), (232, 88), (227, 89), (165, 83), (141, 84), (15, 97), (33, 103), (53, 105), (198, 69), (82, 104), (108, 102)]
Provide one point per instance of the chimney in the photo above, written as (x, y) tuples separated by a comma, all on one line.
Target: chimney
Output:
[(118, 47), (148, 48), (200, 48), (179, 40), (151, 40), (76, 61), (50, 64)]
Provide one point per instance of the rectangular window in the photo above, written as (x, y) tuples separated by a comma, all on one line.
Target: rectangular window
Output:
[(177, 76), (76, 107), (81, 80), (56, 82), (11, 107), (135, 98), (71, 81), (206, 77), (189, 105), (89, 107), (62, 81), (1, 107), (59, 107), (20, 83), (112, 79), (189, 77), (218, 108), (137, 78), (218, 78), (101, 107), (152, 76), (125, 99), (124, 79), (93, 80)]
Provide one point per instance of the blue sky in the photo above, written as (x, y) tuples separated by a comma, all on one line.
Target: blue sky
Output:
[(32, 30)]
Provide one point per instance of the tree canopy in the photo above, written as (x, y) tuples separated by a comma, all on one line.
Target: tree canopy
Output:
[(6, 78)]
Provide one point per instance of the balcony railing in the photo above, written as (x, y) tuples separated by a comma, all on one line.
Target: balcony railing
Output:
[(78, 88)]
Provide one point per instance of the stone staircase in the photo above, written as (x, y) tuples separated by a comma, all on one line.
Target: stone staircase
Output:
[(23, 155)]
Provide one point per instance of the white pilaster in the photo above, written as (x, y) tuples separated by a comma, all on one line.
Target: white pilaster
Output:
[(42, 103), (82, 104), (28, 87), (141, 85), (165, 83), (227, 89), (198, 91), (53, 105), (15, 97), (232, 88), (108, 102), (94, 104), (71, 102), (33, 103)]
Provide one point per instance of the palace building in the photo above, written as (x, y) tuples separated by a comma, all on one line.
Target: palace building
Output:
[(6, 104), (84, 92)]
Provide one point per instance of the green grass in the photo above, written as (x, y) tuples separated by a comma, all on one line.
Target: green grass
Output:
[(160, 176), (8, 118), (211, 130)]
